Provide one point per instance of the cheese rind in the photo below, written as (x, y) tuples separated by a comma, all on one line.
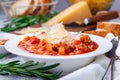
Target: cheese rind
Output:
[(77, 12)]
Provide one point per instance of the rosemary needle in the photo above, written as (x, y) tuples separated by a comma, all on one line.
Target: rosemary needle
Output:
[(25, 21), (28, 68)]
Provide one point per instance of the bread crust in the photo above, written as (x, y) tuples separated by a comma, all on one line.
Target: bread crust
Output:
[(17, 10), (98, 33), (34, 7), (47, 7), (40, 7), (109, 26), (44, 9), (35, 12), (29, 9)]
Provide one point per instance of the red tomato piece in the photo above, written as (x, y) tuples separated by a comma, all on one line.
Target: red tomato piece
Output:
[(34, 40), (26, 38)]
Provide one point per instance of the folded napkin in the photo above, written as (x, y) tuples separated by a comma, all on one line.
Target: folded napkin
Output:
[(94, 71)]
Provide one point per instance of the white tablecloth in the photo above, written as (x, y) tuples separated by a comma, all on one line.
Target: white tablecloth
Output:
[(94, 71)]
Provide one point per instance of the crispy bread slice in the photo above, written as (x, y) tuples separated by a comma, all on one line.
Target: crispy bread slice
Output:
[(98, 33), (44, 9), (34, 7), (40, 7), (21, 7), (109, 26)]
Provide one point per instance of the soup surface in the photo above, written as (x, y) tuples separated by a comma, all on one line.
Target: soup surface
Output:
[(35, 45)]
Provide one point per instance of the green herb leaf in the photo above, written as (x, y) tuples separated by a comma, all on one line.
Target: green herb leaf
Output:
[(25, 21), (49, 67), (16, 62), (37, 66), (2, 56), (26, 64), (29, 68)]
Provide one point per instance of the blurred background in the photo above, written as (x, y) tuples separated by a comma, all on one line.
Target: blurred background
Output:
[(62, 4)]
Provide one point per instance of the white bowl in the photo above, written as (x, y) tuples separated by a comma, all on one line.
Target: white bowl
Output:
[(5, 36), (67, 63)]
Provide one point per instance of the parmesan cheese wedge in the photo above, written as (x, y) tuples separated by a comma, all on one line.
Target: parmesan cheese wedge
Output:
[(77, 12)]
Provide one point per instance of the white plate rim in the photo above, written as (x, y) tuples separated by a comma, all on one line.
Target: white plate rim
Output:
[(104, 47)]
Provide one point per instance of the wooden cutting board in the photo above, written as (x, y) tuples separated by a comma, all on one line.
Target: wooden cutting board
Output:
[(70, 28), (80, 28)]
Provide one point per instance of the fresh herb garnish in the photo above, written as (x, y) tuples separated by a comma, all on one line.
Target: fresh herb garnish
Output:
[(29, 68), (25, 21)]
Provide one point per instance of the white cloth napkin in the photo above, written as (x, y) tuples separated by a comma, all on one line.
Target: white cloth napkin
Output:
[(94, 71)]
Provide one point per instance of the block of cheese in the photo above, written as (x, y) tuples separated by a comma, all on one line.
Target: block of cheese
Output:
[(109, 26), (77, 12)]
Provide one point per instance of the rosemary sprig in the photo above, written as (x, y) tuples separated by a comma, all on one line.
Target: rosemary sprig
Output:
[(2, 56), (25, 21), (29, 68)]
